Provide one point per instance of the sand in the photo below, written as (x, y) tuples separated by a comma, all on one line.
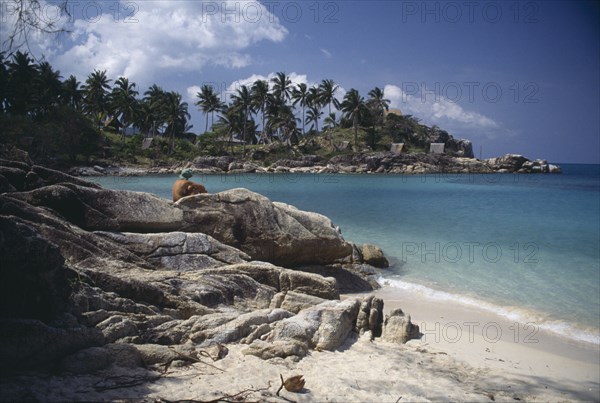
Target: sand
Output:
[(444, 365)]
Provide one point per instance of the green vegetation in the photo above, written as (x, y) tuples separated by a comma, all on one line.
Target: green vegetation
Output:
[(72, 123)]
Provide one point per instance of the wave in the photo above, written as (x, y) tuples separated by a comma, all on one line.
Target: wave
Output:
[(514, 314)]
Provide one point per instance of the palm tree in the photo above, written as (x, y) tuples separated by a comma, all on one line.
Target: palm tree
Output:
[(314, 102), (124, 103), (378, 103), (282, 119), (47, 87), (354, 108), (176, 115), (300, 95), (242, 102), (230, 118), (145, 117), (96, 95), (282, 87), (260, 98), (209, 102), (330, 122), (327, 88), (313, 115), (72, 94), (21, 74), (155, 98)]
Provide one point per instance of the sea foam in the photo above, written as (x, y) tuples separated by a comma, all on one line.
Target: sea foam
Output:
[(513, 314)]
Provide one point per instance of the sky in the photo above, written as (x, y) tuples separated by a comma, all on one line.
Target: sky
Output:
[(511, 76)]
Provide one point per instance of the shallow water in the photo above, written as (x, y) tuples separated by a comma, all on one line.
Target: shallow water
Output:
[(523, 246)]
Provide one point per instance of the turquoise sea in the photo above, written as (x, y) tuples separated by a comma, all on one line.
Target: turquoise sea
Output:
[(526, 247)]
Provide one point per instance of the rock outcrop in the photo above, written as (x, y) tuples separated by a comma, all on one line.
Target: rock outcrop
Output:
[(93, 278), (519, 164), (269, 231)]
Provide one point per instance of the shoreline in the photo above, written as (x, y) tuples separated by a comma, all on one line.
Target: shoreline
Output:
[(359, 163), (488, 341), (576, 332)]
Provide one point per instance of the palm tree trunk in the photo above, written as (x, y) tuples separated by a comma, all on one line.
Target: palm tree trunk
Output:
[(172, 142), (304, 122), (355, 123), (231, 141), (244, 133), (206, 129)]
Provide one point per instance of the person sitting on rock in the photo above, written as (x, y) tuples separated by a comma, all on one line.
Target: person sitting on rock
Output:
[(184, 187)]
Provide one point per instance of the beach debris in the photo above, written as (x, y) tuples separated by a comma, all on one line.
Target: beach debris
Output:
[(293, 384)]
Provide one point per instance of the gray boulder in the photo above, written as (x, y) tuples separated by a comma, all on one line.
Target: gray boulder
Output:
[(267, 231), (398, 328), (373, 255), (370, 316), (508, 162), (325, 326)]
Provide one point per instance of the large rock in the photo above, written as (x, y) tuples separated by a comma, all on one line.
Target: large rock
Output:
[(100, 266), (508, 162), (373, 255), (370, 316), (325, 326), (398, 328), (268, 231)]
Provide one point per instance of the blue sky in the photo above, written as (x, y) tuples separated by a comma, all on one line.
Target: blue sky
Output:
[(511, 76)]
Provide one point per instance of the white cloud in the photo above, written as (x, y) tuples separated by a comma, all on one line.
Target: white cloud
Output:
[(436, 109), (191, 93), (326, 53), (168, 36), (294, 77)]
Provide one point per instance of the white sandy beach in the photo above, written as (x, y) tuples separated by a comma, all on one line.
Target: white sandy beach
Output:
[(465, 368)]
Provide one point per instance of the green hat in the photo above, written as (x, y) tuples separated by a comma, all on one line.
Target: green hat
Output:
[(186, 174)]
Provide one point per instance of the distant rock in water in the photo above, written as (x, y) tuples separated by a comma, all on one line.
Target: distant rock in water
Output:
[(519, 164)]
